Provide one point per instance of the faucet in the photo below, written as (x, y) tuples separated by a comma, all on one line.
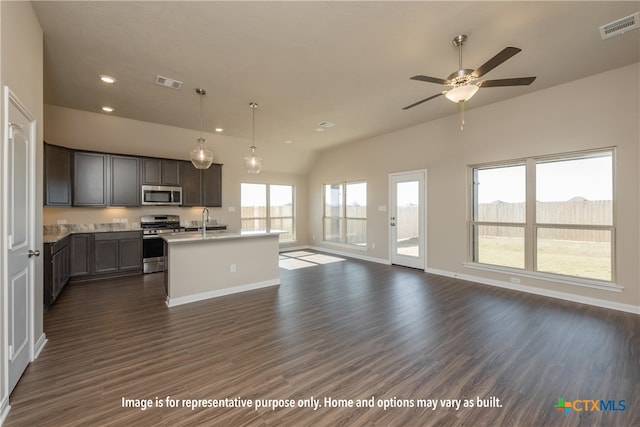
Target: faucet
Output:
[(205, 218)]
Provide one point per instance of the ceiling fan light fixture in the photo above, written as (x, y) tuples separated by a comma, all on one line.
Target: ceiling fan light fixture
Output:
[(461, 93)]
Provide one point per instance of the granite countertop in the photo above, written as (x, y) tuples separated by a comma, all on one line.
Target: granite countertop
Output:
[(54, 233), (216, 236)]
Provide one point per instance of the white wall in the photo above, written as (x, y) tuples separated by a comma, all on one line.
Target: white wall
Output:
[(21, 70), (589, 113)]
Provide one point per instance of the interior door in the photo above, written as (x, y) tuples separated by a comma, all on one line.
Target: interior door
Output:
[(19, 149), (407, 223)]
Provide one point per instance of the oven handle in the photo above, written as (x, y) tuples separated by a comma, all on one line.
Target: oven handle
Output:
[(151, 236)]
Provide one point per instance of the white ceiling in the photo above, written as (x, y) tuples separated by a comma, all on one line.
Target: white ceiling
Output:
[(307, 62)]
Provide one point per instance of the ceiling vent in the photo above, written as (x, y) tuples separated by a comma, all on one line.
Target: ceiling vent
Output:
[(166, 81), (620, 26)]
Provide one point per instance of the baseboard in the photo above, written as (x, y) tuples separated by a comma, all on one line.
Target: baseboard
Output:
[(37, 348), (539, 291), (350, 255), (293, 248), (4, 409), (172, 302)]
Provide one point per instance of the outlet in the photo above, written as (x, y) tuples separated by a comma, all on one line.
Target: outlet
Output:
[(232, 208), (124, 220), (515, 280), (313, 237), (373, 246), (232, 268), (62, 221)]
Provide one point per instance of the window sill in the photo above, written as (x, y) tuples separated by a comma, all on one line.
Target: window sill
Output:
[(577, 281), (346, 246)]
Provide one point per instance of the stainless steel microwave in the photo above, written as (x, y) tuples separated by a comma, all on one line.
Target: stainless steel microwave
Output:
[(161, 195)]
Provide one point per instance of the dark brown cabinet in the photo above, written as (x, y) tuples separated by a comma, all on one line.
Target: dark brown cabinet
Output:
[(160, 172), (80, 250), (117, 252), (57, 175), (125, 181), (56, 269), (201, 187), (90, 184)]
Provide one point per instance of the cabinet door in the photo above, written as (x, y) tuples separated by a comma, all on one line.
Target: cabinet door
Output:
[(57, 176), (47, 285), (105, 256), (80, 250), (125, 181), (90, 179), (130, 254), (191, 185), (170, 172), (212, 186), (152, 171)]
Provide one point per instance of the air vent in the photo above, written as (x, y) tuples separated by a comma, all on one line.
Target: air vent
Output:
[(620, 26), (166, 81)]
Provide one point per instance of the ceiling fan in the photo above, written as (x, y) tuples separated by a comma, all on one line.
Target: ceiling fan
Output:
[(464, 83)]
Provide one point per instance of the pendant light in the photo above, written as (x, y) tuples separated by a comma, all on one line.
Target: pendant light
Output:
[(253, 163), (200, 156)]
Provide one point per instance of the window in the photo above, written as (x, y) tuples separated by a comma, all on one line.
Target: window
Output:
[(268, 207), (345, 213), (549, 215)]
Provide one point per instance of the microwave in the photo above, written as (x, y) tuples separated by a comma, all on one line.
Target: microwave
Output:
[(161, 195)]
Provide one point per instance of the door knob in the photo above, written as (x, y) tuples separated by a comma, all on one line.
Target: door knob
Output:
[(393, 224), (34, 253)]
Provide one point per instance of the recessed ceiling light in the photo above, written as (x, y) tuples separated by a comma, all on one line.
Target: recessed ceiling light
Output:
[(288, 141), (319, 129), (107, 109), (107, 78), (219, 129)]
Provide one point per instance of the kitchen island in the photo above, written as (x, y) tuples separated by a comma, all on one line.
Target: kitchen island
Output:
[(221, 263)]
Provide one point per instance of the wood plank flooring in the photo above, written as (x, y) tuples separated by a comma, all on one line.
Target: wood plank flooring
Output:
[(345, 330)]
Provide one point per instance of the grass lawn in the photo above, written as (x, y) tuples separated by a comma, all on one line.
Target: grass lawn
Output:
[(583, 259)]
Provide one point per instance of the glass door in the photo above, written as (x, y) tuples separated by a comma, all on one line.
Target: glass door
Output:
[(407, 219)]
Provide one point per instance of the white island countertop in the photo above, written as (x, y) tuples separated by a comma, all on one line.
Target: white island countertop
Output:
[(196, 236)]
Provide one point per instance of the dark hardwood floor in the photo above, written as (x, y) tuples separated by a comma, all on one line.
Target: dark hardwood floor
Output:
[(344, 330)]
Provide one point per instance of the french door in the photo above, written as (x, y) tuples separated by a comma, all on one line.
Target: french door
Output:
[(407, 222)]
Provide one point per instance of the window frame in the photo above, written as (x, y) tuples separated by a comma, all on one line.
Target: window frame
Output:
[(532, 227), (267, 218), (342, 217)]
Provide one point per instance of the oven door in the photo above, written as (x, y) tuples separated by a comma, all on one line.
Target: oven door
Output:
[(152, 254)]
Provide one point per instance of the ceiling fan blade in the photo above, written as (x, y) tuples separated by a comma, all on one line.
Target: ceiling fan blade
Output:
[(502, 56), (517, 81), (430, 79), (424, 100)]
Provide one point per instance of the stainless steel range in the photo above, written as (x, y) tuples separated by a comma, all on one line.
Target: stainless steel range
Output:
[(153, 226)]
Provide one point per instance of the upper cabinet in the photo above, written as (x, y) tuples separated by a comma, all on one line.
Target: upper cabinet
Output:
[(201, 187), (57, 175), (92, 179), (90, 184), (125, 181), (160, 171)]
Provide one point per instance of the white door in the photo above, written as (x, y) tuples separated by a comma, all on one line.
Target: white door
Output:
[(19, 149), (407, 218)]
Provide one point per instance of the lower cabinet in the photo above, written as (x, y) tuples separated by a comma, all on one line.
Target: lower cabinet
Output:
[(56, 269), (117, 252), (97, 255)]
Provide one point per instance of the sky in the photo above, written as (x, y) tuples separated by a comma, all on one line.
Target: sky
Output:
[(590, 178)]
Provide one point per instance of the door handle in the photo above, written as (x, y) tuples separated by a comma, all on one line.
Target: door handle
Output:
[(34, 253)]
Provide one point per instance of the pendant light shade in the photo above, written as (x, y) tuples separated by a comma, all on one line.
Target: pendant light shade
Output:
[(201, 157), (253, 163)]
